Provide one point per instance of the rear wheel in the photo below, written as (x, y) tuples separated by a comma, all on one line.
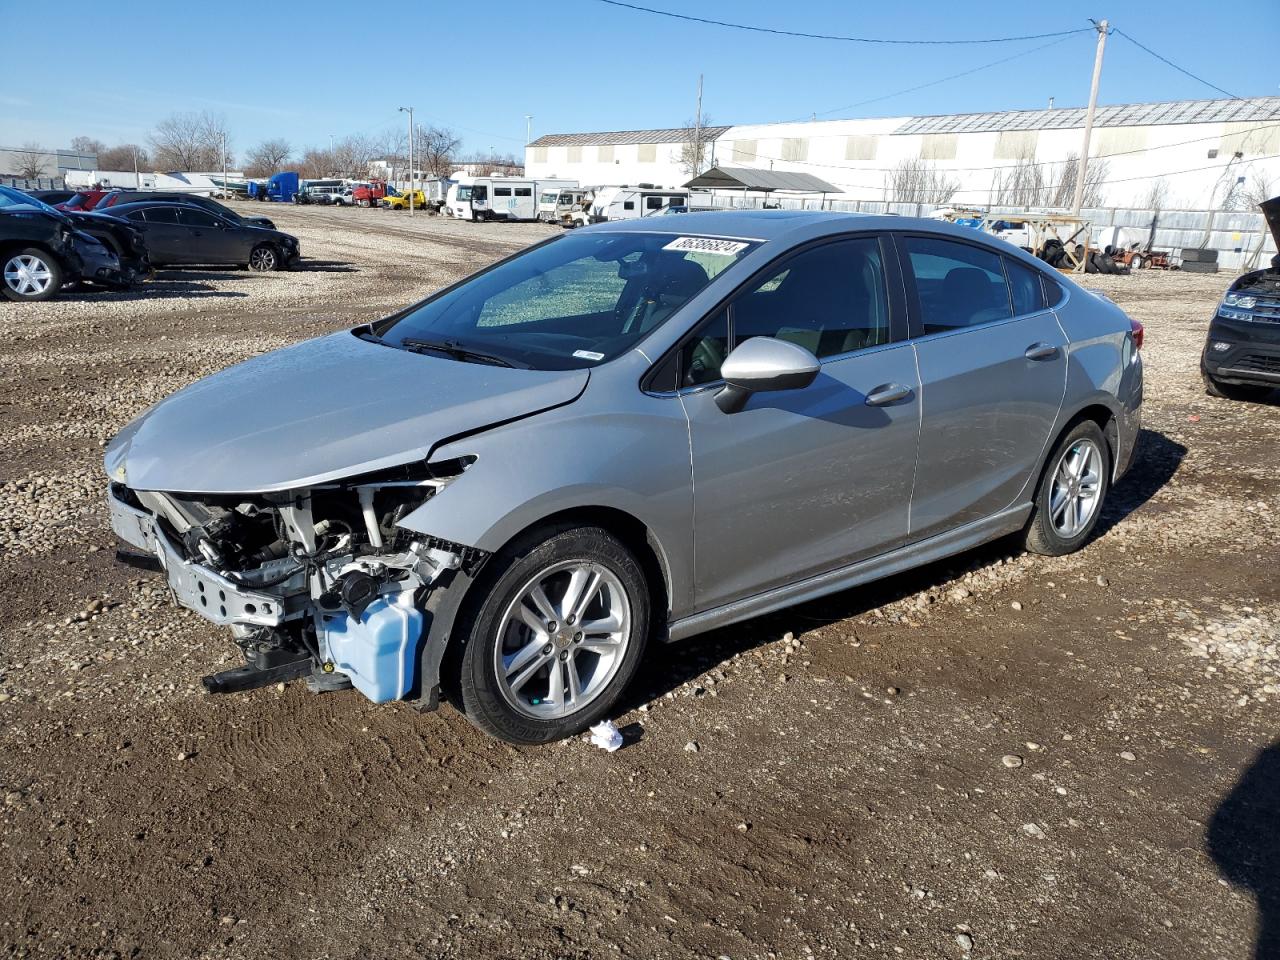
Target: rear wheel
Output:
[(1071, 492), (264, 258), (30, 276), (1248, 392), (556, 636)]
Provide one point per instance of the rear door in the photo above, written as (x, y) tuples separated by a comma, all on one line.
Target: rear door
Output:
[(166, 238), (993, 372), (800, 482)]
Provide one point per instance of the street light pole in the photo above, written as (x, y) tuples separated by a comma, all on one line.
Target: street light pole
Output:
[(528, 129), (409, 110), (224, 165)]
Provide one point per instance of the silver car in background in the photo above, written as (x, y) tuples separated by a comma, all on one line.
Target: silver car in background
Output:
[(640, 430)]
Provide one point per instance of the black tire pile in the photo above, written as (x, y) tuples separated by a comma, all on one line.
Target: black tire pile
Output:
[(1196, 260), (1099, 261)]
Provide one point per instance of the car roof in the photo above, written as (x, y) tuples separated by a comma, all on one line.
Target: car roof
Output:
[(786, 227), (143, 204)]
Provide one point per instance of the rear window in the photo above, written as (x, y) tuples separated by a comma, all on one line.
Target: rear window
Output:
[(1024, 284)]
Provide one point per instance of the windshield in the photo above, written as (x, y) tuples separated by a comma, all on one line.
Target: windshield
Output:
[(464, 193), (11, 199), (549, 197), (574, 302)]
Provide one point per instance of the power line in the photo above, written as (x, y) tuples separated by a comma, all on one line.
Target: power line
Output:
[(1212, 86), (954, 76), (827, 36)]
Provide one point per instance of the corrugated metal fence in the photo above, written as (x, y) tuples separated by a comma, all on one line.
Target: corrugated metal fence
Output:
[(1242, 239)]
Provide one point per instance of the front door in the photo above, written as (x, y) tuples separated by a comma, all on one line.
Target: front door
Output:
[(800, 482), (993, 373)]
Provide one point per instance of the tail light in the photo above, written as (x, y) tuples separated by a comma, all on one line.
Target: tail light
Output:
[(1138, 331)]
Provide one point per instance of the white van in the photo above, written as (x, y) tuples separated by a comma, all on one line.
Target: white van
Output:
[(499, 198), (629, 203)]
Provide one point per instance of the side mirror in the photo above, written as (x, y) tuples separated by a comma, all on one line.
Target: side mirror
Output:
[(763, 364)]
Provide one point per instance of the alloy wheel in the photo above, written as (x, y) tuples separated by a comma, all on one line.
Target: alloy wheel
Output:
[(562, 639), (263, 258), (1076, 489), (27, 275)]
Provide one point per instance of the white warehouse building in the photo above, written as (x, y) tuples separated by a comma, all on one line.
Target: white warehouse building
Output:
[(1204, 153)]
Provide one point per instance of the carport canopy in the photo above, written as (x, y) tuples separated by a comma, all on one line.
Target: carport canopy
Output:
[(762, 181)]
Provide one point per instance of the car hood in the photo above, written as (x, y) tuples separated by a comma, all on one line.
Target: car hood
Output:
[(1271, 210), (321, 411)]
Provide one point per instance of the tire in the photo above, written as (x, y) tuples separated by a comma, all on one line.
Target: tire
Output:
[(497, 629), (29, 275), (1052, 530), (1244, 392), (264, 258), (1199, 255)]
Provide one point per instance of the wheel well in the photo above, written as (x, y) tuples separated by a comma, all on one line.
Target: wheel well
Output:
[(1106, 421), (635, 535)]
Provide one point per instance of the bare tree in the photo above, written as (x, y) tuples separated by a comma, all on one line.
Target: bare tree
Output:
[(695, 144), (267, 158), (87, 145), (190, 141), (30, 161), (1063, 188), (316, 164), (434, 149), (351, 156), (1020, 185), (124, 157), (918, 181), (1157, 196), (1258, 188)]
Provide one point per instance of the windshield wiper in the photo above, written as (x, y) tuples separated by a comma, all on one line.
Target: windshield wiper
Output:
[(451, 348)]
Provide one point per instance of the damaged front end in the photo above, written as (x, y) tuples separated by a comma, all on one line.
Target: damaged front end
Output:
[(321, 582)]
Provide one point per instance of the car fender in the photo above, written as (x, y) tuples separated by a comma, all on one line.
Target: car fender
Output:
[(633, 461)]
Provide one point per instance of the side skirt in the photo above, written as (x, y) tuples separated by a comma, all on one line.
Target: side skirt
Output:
[(904, 558)]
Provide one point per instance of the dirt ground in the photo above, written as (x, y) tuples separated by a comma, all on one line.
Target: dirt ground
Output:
[(997, 756)]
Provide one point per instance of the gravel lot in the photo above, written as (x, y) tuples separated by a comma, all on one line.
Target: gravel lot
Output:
[(997, 756)]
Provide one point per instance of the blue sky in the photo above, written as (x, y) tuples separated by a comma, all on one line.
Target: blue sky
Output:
[(309, 70)]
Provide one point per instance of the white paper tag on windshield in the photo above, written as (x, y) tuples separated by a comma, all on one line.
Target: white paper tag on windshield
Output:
[(588, 355), (727, 248)]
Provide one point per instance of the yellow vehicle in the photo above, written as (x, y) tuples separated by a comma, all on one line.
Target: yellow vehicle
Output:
[(400, 201)]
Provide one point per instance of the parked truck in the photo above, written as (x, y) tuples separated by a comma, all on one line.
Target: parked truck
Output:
[(630, 202)]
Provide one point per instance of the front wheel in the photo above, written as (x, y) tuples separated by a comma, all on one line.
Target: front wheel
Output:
[(30, 276), (1246, 392), (555, 637), (264, 258), (1071, 492)]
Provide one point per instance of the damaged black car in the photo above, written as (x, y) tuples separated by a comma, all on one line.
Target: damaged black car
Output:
[(1241, 359)]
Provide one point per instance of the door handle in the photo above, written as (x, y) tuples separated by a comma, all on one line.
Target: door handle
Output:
[(1041, 351), (886, 394)]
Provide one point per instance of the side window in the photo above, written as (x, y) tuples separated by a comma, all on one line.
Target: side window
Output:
[(629, 205), (701, 356), (198, 218), (135, 215), (162, 215), (524, 191), (502, 191), (1024, 283), (959, 285), (653, 203), (830, 300), (1053, 292)]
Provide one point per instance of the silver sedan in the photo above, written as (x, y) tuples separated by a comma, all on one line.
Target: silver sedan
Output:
[(630, 433)]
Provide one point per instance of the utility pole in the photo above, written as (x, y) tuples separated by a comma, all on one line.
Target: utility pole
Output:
[(409, 110), (697, 132), (1082, 164), (224, 165)]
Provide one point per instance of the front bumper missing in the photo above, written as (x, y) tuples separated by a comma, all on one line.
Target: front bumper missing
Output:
[(197, 588)]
